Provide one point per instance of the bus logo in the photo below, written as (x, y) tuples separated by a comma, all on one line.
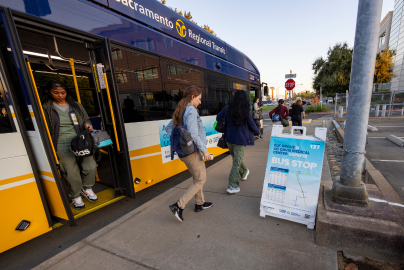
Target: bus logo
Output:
[(181, 29)]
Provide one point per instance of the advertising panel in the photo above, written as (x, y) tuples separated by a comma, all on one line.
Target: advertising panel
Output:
[(292, 178), (212, 136)]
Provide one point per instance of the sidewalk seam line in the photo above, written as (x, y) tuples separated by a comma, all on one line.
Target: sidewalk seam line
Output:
[(122, 257), (63, 258)]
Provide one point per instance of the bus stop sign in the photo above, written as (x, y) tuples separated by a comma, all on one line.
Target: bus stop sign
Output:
[(290, 84)]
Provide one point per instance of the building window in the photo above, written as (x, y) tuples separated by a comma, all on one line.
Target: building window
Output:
[(382, 39), (116, 54), (172, 70), (146, 74), (121, 77)]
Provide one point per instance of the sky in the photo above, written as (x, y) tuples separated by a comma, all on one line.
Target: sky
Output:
[(279, 36)]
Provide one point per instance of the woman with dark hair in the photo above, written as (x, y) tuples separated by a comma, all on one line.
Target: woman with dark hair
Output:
[(279, 113), (256, 114), (186, 110), (66, 118), (239, 133)]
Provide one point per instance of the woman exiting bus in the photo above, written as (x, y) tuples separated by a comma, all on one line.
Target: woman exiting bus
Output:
[(65, 118), (239, 133), (194, 162)]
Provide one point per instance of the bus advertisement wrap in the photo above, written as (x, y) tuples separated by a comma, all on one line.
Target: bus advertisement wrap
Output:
[(292, 179), (164, 19), (212, 136)]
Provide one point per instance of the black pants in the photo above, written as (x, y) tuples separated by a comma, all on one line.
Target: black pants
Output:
[(297, 122)]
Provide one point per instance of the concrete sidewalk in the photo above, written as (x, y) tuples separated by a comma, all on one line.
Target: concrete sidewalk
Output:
[(230, 235)]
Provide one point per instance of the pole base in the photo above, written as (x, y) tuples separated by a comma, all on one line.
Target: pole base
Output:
[(355, 196)]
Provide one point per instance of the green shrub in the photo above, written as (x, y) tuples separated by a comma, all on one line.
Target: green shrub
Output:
[(319, 108)]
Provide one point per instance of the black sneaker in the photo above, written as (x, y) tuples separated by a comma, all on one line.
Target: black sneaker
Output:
[(206, 205), (177, 211)]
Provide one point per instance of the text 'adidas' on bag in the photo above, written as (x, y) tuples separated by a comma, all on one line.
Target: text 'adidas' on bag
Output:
[(82, 145)]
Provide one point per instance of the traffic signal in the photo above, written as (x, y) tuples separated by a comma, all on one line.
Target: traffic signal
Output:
[(307, 92), (265, 90)]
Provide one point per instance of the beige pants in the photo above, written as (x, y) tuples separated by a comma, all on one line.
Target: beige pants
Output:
[(197, 168)]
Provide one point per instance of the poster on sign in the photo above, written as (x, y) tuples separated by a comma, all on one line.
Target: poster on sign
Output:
[(212, 136), (293, 175)]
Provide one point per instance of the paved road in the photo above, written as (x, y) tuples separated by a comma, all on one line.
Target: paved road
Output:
[(379, 148)]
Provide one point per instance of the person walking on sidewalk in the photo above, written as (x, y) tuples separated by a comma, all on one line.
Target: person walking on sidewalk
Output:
[(239, 132), (296, 113), (194, 162), (256, 114), (66, 118), (279, 113)]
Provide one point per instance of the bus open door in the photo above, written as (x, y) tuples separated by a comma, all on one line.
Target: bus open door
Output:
[(42, 56), (24, 208)]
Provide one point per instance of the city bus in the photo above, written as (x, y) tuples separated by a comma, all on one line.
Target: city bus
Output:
[(128, 63)]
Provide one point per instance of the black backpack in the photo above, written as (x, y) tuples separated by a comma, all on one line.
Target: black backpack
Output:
[(83, 144)]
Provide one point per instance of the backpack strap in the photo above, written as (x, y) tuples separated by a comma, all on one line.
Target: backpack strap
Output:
[(182, 117)]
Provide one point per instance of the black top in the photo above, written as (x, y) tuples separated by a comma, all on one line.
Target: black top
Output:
[(297, 112)]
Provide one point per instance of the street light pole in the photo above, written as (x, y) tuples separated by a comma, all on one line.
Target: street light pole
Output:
[(350, 189)]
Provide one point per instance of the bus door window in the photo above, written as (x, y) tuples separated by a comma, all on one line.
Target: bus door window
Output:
[(6, 118)]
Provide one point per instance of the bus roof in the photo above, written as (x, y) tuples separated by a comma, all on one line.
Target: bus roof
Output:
[(147, 25)]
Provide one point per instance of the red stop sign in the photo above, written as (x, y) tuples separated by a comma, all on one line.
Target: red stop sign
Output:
[(289, 84)]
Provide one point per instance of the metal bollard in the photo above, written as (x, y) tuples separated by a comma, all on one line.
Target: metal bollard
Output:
[(341, 112), (384, 110), (377, 110), (402, 111)]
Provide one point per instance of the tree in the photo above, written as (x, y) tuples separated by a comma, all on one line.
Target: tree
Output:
[(384, 66), (188, 16), (304, 95), (333, 74)]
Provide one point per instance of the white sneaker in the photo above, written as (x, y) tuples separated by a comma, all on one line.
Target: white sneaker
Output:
[(89, 194), (78, 203), (245, 178), (231, 189)]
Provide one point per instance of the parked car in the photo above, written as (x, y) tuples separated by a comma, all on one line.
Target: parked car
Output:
[(330, 100)]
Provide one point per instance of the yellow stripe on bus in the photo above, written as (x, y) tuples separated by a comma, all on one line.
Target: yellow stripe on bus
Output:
[(145, 151), (13, 115), (15, 179), (46, 173), (32, 114)]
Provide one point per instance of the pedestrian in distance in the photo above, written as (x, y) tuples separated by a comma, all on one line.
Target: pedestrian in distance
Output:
[(240, 128), (296, 113), (256, 114), (279, 113), (195, 161), (66, 118)]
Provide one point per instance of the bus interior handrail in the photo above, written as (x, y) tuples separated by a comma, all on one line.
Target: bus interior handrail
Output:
[(64, 58)]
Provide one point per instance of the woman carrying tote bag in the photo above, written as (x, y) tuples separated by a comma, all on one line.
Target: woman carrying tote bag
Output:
[(256, 114), (239, 133)]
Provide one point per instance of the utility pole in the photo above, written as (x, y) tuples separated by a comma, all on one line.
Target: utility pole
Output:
[(350, 189), (321, 98)]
